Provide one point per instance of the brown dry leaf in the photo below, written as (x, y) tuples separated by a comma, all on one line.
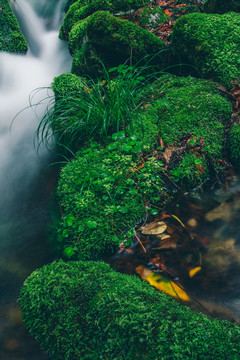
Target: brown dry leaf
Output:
[(154, 228), (167, 12), (167, 155)]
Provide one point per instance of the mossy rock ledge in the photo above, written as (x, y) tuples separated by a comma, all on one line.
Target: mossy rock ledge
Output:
[(11, 37), (86, 310), (211, 43), (81, 9), (104, 38)]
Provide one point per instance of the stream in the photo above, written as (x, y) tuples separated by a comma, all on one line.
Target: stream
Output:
[(26, 181)]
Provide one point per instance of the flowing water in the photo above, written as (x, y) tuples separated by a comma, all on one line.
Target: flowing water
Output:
[(26, 181)]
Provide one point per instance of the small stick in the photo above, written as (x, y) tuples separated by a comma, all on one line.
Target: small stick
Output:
[(140, 242)]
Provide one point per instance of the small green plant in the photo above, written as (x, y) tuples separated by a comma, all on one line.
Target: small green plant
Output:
[(191, 171), (93, 109)]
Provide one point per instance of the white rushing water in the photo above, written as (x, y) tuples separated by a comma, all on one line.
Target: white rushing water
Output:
[(19, 76)]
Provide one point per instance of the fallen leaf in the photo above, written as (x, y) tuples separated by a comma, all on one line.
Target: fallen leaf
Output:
[(154, 228)]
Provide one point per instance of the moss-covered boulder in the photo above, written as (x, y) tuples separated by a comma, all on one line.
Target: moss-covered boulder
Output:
[(234, 143), (221, 6), (83, 8), (85, 310), (11, 38), (211, 43), (115, 40), (186, 105)]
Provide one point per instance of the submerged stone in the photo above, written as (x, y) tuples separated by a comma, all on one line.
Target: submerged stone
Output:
[(211, 43), (86, 310), (11, 38)]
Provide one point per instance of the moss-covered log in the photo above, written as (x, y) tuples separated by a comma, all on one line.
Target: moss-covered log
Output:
[(85, 310)]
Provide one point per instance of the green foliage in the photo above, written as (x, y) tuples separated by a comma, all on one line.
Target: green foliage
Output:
[(116, 41), (11, 38), (83, 8), (234, 143), (87, 108), (189, 106), (221, 6), (102, 195), (87, 311), (191, 171), (211, 43)]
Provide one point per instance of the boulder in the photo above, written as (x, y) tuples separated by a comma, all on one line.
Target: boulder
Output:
[(211, 43), (116, 41), (11, 37), (83, 8)]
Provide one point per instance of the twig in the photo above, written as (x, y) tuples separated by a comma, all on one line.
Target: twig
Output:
[(140, 243)]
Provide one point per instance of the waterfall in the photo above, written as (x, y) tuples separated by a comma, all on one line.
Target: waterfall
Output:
[(23, 200)]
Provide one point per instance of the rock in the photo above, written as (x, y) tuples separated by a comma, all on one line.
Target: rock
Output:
[(11, 38), (115, 40), (83, 8), (211, 43)]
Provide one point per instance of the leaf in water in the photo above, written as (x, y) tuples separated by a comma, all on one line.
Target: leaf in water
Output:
[(154, 228), (194, 271), (161, 283)]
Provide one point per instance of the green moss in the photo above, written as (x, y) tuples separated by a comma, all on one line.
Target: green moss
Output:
[(67, 84), (88, 61), (191, 171), (83, 8), (234, 143), (116, 39), (11, 38), (189, 106), (221, 6), (211, 43), (86, 310)]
